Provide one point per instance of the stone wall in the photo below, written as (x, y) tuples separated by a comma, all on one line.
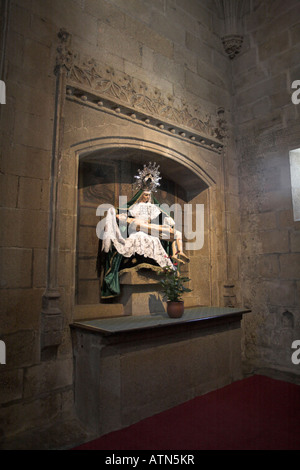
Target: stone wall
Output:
[(267, 127), (166, 44)]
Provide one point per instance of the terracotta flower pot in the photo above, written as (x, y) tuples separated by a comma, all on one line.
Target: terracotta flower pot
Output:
[(175, 309)]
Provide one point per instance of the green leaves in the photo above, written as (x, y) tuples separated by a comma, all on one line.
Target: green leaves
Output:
[(173, 284)]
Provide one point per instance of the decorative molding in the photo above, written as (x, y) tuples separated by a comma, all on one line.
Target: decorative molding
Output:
[(92, 100), (103, 86), (137, 95)]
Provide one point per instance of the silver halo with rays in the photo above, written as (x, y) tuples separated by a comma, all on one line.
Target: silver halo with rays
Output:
[(148, 178)]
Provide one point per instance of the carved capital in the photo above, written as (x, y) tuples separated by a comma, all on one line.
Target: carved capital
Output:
[(231, 12), (232, 44), (221, 129), (65, 56)]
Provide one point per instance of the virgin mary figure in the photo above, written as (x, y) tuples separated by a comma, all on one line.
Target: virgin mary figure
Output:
[(139, 235)]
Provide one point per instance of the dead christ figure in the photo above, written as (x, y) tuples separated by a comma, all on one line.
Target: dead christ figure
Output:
[(140, 217)]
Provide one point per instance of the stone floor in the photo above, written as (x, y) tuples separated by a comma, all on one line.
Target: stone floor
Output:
[(60, 435), (64, 434)]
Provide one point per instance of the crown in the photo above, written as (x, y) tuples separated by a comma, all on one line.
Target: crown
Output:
[(148, 178)]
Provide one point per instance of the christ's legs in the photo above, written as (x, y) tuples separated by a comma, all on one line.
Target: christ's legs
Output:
[(177, 251)]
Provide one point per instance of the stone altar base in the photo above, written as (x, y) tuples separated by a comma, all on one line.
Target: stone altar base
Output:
[(129, 368), (140, 293)]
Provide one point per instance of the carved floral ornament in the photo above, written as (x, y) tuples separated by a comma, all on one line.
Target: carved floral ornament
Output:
[(232, 44), (101, 86), (231, 12)]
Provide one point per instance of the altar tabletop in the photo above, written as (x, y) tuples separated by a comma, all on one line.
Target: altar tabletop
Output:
[(191, 316)]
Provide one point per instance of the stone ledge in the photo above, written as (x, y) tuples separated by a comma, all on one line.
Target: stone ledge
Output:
[(126, 327), (89, 311), (139, 278)]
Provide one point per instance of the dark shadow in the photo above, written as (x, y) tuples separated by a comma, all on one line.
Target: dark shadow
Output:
[(155, 305)]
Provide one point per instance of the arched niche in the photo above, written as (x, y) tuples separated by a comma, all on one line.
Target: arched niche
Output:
[(192, 174), (104, 174), (94, 131)]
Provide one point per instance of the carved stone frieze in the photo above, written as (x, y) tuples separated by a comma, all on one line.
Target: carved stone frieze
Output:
[(137, 96), (91, 99)]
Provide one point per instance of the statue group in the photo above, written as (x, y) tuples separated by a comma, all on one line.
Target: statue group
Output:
[(139, 235)]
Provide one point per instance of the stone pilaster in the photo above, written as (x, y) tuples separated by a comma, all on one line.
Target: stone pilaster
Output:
[(52, 316)]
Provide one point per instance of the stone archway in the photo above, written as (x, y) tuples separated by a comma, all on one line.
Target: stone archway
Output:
[(105, 174)]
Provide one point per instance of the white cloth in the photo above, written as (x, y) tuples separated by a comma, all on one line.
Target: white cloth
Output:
[(137, 242), (144, 211), (147, 211), (169, 222), (111, 232)]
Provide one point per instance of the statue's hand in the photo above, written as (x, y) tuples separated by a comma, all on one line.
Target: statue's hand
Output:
[(121, 217)]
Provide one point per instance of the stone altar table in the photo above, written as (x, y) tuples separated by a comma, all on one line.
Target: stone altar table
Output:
[(131, 367)]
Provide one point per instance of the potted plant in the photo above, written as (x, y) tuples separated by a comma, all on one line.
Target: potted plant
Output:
[(172, 284)]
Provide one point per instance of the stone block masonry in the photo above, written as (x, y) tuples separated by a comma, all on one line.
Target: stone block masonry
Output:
[(267, 129)]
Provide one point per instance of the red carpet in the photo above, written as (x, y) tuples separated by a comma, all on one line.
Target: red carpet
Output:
[(257, 413)]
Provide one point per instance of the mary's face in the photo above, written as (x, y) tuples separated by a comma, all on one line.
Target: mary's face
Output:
[(146, 196)]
